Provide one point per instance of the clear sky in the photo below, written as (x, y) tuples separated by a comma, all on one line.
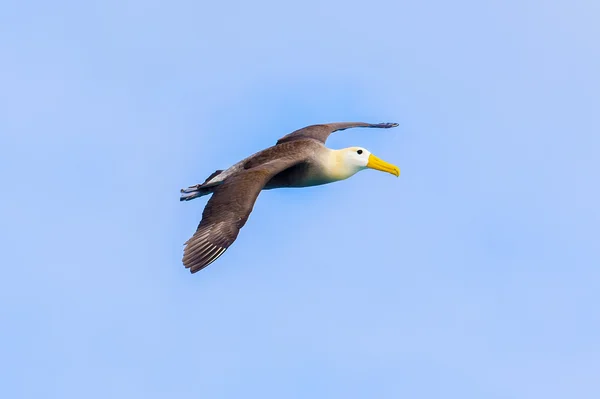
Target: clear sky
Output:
[(473, 275)]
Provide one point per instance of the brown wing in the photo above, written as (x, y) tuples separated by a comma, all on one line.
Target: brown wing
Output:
[(227, 211), (322, 132)]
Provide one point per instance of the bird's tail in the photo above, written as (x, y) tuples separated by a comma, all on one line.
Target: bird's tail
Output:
[(196, 191), (200, 190)]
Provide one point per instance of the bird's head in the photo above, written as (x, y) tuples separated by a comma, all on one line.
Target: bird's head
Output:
[(354, 159)]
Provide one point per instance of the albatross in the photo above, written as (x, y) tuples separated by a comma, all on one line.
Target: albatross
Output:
[(298, 159)]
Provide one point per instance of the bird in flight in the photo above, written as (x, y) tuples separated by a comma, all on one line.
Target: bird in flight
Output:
[(299, 159)]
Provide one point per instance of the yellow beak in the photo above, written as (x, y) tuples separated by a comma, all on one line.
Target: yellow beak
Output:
[(380, 164)]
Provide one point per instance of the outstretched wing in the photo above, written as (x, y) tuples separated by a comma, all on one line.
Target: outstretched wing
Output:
[(322, 132), (227, 211)]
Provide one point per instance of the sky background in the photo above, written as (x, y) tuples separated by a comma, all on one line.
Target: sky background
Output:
[(473, 275)]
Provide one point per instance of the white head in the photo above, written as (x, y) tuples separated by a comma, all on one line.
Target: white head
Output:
[(351, 160)]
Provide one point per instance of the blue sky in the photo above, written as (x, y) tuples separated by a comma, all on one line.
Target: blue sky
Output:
[(473, 275)]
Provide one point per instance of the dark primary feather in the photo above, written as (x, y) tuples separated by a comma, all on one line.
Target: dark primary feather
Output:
[(322, 132), (227, 211)]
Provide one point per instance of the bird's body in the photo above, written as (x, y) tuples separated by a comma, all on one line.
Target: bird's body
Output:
[(299, 159)]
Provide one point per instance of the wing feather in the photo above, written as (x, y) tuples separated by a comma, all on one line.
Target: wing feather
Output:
[(322, 132), (228, 210)]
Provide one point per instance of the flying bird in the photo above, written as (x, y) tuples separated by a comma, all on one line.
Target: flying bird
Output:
[(299, 159)]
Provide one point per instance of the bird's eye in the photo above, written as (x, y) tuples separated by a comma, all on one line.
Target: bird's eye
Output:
[(359, 152)]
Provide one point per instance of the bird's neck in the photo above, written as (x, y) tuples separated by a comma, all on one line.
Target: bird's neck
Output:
[(335, 165)]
